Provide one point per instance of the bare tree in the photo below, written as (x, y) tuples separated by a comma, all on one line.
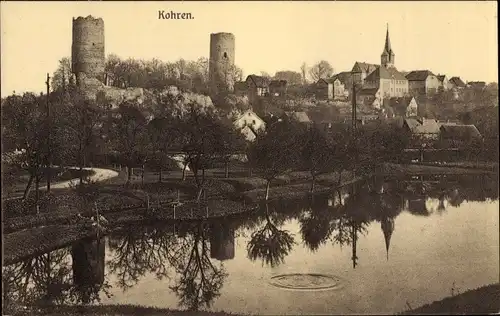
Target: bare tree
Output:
[(321, 70)]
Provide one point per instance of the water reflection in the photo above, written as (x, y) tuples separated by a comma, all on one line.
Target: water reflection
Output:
[(188, 258), (88, 268), (269, 243), (46, 279), (139, 250), (222, 241), (199, 278)]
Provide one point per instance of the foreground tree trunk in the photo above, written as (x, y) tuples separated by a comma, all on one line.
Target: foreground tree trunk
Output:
[(226, 169), (184, 172), (37, 193), (200, 191), (142, 175), (159, 176), (129, 174)]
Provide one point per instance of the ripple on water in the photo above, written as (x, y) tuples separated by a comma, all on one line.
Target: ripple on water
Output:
[(307, 282)]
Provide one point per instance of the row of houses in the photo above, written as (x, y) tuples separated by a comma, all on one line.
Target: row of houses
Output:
[(453, 133), (378, 82)]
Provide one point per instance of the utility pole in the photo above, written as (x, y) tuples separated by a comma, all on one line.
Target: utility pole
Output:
[(353, 129), (354, 116), (49, 126)]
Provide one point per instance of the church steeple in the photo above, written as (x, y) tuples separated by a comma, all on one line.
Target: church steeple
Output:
[(387, 57), (387, 46)]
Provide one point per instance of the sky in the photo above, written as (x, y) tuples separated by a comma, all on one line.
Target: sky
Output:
[(455, 38)]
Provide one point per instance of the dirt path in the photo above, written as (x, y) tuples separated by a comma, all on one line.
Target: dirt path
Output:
[(99, 175)]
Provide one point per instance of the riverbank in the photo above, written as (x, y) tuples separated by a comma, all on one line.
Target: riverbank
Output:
[(36, 241), (483, 300), (391, 169), (122, 205), (111, 310)]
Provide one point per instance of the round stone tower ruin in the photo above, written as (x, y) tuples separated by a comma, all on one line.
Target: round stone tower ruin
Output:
[(87, 50), (221, 63)]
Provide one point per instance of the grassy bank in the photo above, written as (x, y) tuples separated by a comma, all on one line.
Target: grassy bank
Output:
[(111, 310), (490, 166), (37, 240), (26, 243), (391, 169), (483, 300)]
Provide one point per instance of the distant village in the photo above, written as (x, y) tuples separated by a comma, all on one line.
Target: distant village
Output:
[(381, 92)]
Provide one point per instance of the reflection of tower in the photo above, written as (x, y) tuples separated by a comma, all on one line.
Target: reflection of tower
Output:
[(387, 226), (221, 63), (88, 262), (87, 50), (221, 242)]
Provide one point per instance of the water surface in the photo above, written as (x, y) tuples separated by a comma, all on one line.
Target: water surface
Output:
[(387, 245)]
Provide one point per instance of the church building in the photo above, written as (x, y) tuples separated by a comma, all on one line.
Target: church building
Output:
[(385, 79)]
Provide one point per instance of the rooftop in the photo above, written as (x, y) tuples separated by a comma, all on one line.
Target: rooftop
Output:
[(385, 73), (419, 75)]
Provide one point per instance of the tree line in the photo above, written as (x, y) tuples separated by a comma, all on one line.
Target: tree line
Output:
[(85, 132), (149, 74)]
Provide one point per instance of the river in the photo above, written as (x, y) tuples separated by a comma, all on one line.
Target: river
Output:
[(377, 248)]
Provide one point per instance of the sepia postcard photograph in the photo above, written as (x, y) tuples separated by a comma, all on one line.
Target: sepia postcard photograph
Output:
[(220, 158)]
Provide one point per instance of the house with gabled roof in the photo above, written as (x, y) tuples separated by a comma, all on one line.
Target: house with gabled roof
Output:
[(371, 97), (300, 117), (324, 88), (456, 135), (342, 88), (258, 86), (401, 107), (457, 83), (389, 80), (277, 88), (422, 128), (249, 123), (333, 88), (477, 85), (423, 82), (443, 82), (361, 70)]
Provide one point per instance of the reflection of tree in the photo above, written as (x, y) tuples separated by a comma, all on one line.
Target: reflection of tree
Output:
[(353, 219), (270, 244), (200, 281), (138, 250), (315, 223), (47, 279)]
